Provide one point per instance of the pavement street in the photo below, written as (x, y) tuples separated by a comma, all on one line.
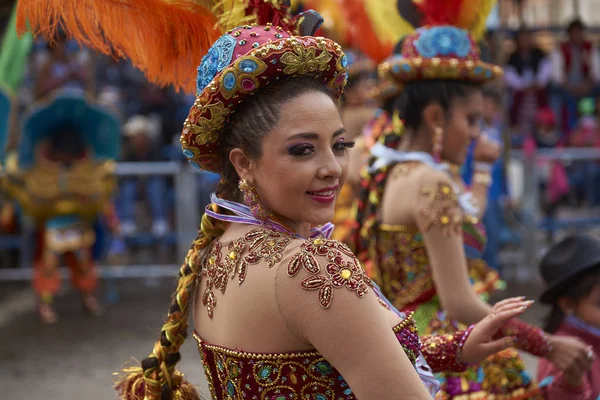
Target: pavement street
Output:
[(75, 358)]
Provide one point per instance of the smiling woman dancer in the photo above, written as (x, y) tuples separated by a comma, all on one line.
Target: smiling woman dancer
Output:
[(281, 311), (418, 227)]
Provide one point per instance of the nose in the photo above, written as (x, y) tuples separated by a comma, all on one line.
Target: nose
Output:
[(331, 167)]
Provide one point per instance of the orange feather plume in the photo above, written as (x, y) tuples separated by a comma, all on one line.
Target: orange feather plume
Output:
[(166, 39), (363, 34)]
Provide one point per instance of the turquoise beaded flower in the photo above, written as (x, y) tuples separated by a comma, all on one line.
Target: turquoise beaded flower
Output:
[(218, 57), (443, 41)]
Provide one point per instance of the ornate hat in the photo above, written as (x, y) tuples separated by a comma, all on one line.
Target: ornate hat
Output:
[(238, 65), (565, 261), (445, 46)]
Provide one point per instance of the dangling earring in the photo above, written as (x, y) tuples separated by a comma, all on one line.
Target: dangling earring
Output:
[(438, 144), (252, 200), (397, 123)]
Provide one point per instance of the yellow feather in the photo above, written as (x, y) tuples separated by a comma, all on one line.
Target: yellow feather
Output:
[(386, 20)]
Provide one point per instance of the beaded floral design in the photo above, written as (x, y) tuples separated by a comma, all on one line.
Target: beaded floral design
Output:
[(340, 272), (443, 41), (219, 268), (442, 209), (217, 58), (303, 60)]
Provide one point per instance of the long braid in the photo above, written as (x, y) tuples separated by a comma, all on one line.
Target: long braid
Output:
[(371, 189), (157, 378)]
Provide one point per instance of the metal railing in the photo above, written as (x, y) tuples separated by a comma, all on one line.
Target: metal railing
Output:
[(187, 221), (530, 204)]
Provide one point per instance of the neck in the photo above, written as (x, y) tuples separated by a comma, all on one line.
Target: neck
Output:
[(417, 141), (300, 228)]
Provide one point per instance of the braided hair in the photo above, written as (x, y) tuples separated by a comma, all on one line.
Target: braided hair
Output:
[(157, 378), (408, 107)]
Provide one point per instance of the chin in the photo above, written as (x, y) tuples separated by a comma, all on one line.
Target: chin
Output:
[(321, 217)]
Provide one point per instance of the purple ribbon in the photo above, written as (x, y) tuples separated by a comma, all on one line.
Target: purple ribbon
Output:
[(243, 215)]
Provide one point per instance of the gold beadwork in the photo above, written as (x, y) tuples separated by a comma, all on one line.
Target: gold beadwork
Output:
[(218, 270), (442, 209)]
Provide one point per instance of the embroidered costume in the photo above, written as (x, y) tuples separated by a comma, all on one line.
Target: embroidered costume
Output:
[(398, 257), (329, 267), (62, 177)]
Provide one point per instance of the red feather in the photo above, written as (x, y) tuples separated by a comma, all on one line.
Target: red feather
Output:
[(267, 12), (440, 12)]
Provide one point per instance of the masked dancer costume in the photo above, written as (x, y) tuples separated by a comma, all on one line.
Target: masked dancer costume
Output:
[(62, 176), (399, 256)]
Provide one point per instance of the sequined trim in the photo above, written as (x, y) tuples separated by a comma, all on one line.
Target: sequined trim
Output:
[(340, 271), (302, 375), (398, 228)]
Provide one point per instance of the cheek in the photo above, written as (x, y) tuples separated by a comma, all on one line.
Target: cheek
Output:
[(590, 313), (283, 180)]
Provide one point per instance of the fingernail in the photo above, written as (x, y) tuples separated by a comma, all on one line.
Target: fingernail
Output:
[(522, 298), (530, 302)]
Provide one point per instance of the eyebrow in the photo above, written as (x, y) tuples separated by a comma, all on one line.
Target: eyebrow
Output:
[(314, 136)]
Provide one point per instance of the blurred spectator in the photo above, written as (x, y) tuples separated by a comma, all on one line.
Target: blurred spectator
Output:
[(491, 122), (527, 75), (546, 133), (585, 132), (584, 176), (63, 68), (575, 74), (142, 133)]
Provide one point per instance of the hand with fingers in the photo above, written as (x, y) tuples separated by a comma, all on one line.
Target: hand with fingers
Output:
[(572, 356), (480, 344), (486, 150)]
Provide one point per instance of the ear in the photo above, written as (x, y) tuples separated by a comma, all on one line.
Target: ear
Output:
[(434, 117), (241, 163), (566, 305)]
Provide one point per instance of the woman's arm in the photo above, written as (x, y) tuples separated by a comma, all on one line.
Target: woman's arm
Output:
[(343, 320), (558, 385), (439, 218)]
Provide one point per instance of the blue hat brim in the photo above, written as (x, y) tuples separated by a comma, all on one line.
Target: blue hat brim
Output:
[(101, 127)]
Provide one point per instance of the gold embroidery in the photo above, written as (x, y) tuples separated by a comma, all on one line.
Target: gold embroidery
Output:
[(216, 278), (340, 272), (304, 59), (404, 169), (221, 267), (442, 209), (205, 128)]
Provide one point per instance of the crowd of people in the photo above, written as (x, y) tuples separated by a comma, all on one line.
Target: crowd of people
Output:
[(404, 154)]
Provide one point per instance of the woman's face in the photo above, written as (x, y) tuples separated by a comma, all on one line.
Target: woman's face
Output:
[(303, 164), (462, 126)]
